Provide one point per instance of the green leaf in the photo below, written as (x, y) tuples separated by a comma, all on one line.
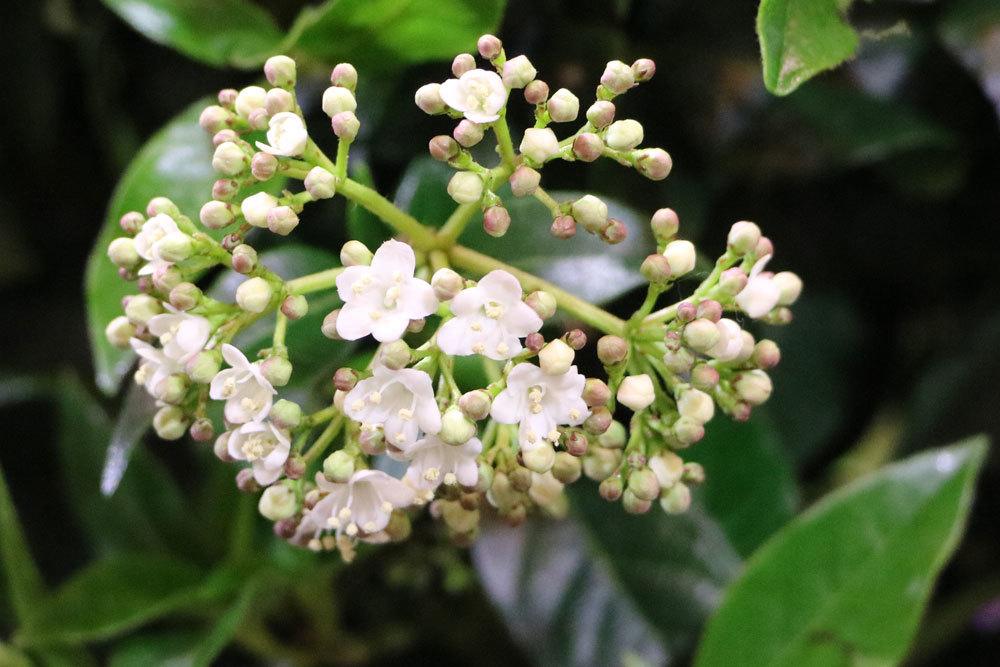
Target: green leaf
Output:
[(750, 489), (390, 34), (968, 30), (847, 581), (11, 657), (118, 593), (23, 581), (221, 32), (801, 38)]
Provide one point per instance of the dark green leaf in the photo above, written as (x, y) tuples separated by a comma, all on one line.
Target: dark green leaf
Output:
[(118, 593), (968, 30), (175, 648), (220, 32), (22, 579), (801, 38), (750, 489), (389, 34), (846, 582)]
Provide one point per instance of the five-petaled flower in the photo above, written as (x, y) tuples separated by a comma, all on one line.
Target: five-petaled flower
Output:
[(540, 403), (286, 135), (264, 446), (433, 462), (761, 294), (181, 335), (479, 94), (155, 366), (159, 230), (360, 508), (401, 402), (247, 393)]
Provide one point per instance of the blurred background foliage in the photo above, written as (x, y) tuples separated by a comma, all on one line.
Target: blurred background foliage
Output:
[(878, 183)]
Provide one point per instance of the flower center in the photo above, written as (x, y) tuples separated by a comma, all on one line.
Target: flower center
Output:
[(257, 446), (535, 395), (493, 310)]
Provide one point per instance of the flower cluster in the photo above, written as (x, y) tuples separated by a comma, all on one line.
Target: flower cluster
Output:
[(532, 423)]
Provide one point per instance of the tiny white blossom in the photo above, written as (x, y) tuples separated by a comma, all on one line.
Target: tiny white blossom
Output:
[(155, 366), (433, 462), (490, 319), (400, 402), (479, 94), (381, 299), (247, 393), (360, 508), (181, 335), (286, 135), (160, 229), (264, 446), (730, 341), (540, 403), (761, 294)]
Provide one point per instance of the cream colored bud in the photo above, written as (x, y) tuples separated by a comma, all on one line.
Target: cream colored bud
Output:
[(564, 106), (539, 458), (280, 71), (702, 334), (524, 181), (636, 392), (624, 135), (465, 187), (229, 159), (277, 502), (170, 423), (256, 207), (743, 237), (249, 99), (696, 405), (677, 499), (279, 100), (141, 307), (355, 253), (518, 72), (122, 252), (789, 286), (320, 183), (754, 387), (254, 295), (543, 303), (428, 99), (216, 214), (681, 256), (539, 144), (447, 284), (617, 77), (590, 212), (338, 466), (281, 220), (456, 428), (286, 414), (119, 331), (556, 357), (337, 99)]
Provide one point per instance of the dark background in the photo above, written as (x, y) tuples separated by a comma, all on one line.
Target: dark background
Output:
[(879, 184)]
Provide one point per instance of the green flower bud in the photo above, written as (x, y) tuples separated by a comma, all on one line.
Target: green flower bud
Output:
[(204, 366), (286, 414), (600, 463), (139, 308), (170, 423), (539, 458), (254, 295), (614, 437), (119, 331), (173, 389), (456, 428), (338, 466), (543, 303), (277, 370), (121, 252), (566, 468), (688, 431), (294, 306), (277, 502), (633, 504)]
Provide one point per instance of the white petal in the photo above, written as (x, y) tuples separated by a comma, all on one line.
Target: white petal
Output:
[(501, 286), (234, 357), (394, 257), (354, 322), (521, 320), (453, 337), (468, 302), (507, 408), (453, 93), (418, 299), (346, 280), (388, 328)]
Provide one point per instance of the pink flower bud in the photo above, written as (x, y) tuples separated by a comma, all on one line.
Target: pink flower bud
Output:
[(244, 259), (282, 220), (686, 311), (536, 92), (587, 147), (617, 77), (654, 163), (612, 350), (462, 63), (489, 46), (225, 189), (643, 69), (615, 232), (576, 339), (345, 125), (345, 76), (294, 306), (656, 269), (280, 71), (263, 166), (222, 136), (596, 392), (743, 237), (710, 309), (131, 222), (279, 100), (704, 377), (534, 341), (524, 181), (496, 221), (227, 97), (467, 133), (443, 148), (766, 354), (563, 227), (601, 113), (215, 118)]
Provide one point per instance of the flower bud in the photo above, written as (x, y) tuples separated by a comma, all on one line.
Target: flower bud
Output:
[(688, 431), (599, 420), (447, 284), (668, 468), (173, 389), (524, 181), (256, 207), (202, 430), (536, 92), (443, 148), (394, 355), (696, 405), (165, 277), (518, 72), (170, 423), (119, 331), (294, 306), (614, 437), (615, 232), (244, 259), (556, 357), (587, 147), (344, 75), (467, 133), (656, 269), (633, 504), (338, 466), (764, 247), (643, 484), (596, 392), (704, 377), (654, 163), (702, 334), (496, 221), (337, 99), (286, 414), (539, 144), (320, 183), (611, 489), (245, 481), (139, 308), (681, 256), (611, 350), (677, 499), (355, 253), (225, 189), (678, 361), (566, 468), (601, 463), (158, 205), (248, 99), (131, 222), (229, 159), (280, 71), (643, 69), (281, 220), (732, 281), (789, 286), (329, 326), (254, 294), (617, 77), (601, 114), (263, 166), (185, 296), (590, 212), (214, 118), (465, 187), (576, 339), (428, 99), (456, 428), (222, 136), (489, 46), (636, 392), (475, 404), (754, 387), (279, 100), (345, 379), (534, 342), (277, 502), (203, 366), (564, 106), (624, 135), (539, 458), (122, 252), (462, 63), (710, 309), (577, 443), (743, 237), (563, 227), (345, 125), (766, 354), (665, 224), (543, 303), (221, 448), (174, 248), (216, 214), (276, 370)]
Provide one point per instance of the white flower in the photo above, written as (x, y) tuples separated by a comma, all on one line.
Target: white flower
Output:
[(160, 229), (479, 94), (181, 335), (540, 402), (401, 402), (730, 341), (490, 319), (360, 507), (761, 294), (247, 393), (381, 299), (155, 366), (264, 446), (433, 462), (286, 134)]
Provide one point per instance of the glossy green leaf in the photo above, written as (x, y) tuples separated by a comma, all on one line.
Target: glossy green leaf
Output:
[(220, 32), (387, 34), (118, 593), (801, 38), (22, 580), (846, 582), (750, 486)]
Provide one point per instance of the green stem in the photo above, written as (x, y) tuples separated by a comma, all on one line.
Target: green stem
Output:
[(280, 328), (420, 236), (480, 264), (504, 141), (325, 438), (550, 203), (460, 217), (314, 282), (343, 149)]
